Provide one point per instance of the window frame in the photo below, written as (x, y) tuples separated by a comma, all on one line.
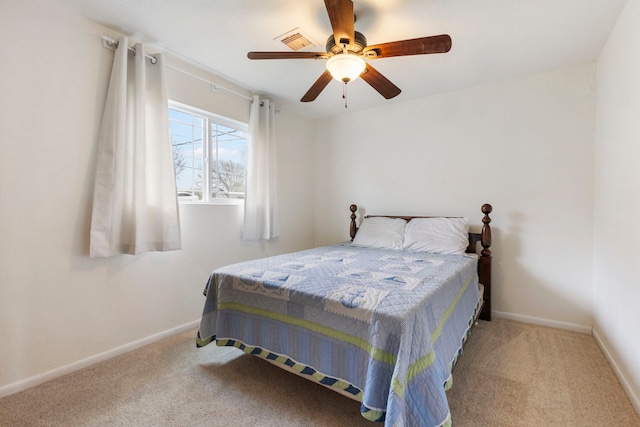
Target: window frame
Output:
[(209, 150)]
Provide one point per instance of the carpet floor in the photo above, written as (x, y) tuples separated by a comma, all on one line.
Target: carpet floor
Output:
[(511, 374)]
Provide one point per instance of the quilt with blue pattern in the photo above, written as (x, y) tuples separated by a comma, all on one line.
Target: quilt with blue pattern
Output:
[(385, 326)]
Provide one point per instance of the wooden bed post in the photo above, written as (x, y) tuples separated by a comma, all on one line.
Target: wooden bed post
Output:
[(353, 229), (484, 263)]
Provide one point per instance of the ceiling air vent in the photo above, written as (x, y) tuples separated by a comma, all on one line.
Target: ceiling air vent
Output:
[(296, 40)]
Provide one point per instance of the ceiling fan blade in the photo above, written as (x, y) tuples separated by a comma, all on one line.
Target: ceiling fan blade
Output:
[(342, 20), (380, 83), (419, 46), (287, 55), (317, 87)]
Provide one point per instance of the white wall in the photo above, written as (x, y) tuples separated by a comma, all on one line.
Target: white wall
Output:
[(525, 146), (57, 306), (617, 200)]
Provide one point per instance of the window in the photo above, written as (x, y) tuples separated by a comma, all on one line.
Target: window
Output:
[(209, 154)]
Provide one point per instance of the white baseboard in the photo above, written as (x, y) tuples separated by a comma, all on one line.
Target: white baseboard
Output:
[(543, 322), (92, 360), (633, 397)]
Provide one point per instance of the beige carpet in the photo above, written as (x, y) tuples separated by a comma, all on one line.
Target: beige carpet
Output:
[(511, 374)]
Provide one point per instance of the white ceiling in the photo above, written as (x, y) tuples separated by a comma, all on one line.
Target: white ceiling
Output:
[(492, 40)]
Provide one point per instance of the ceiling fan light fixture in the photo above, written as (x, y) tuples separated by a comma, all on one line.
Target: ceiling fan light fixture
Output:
[(346, 67)]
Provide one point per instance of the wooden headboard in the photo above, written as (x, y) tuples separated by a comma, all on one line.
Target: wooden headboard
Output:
[(484, 238)]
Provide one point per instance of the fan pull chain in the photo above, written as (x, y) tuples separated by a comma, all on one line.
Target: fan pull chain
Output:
[(344, 94)]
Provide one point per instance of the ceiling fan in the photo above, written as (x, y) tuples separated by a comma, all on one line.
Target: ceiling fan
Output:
[(347, 49)]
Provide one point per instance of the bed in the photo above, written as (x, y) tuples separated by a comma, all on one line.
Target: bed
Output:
[(381, 319)]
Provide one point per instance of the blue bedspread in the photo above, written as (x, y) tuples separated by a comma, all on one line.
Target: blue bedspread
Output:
[(384, 325)]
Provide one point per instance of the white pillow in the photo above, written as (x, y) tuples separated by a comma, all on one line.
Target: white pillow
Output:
[(437, 235), (380, 232)]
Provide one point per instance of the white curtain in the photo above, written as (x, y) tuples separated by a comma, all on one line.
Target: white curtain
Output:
[(261, 218), (135, 208)]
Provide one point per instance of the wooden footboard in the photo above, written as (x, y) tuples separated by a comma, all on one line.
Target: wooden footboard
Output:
[(484, 262)]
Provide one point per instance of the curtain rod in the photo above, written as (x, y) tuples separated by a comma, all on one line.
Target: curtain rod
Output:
[(112, 44)]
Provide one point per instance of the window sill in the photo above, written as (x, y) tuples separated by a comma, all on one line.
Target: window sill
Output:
[(215, 202)]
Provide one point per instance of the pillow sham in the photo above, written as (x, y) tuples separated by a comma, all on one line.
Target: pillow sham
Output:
[(437, 235), (380, 232)]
